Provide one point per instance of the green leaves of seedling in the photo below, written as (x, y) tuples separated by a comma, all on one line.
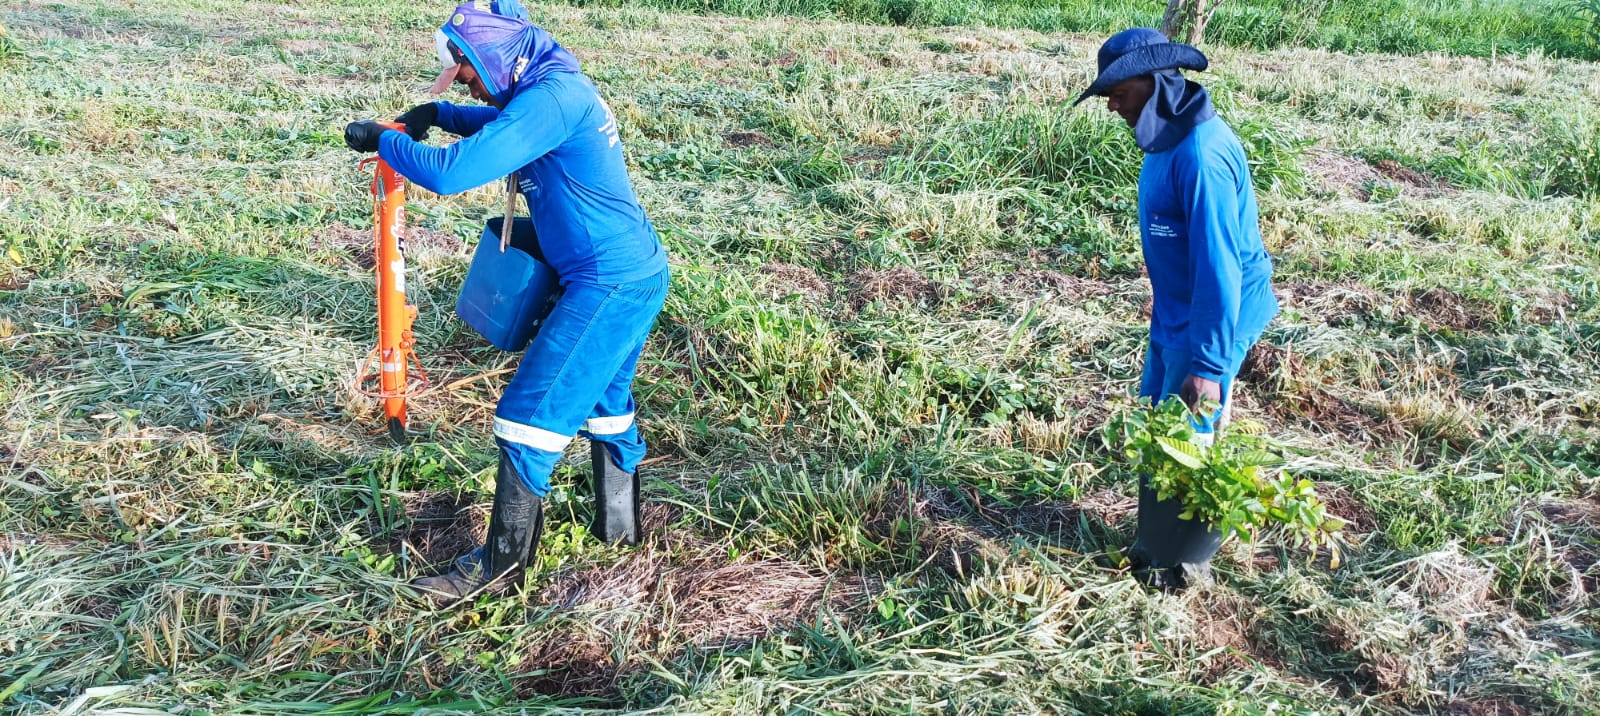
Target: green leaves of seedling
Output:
[(1229, 483)]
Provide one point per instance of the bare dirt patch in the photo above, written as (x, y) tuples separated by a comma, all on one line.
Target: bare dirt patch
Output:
[(442, 525), (693, 589), (787, 59), (1577, 524), (1485, 707), (574, 665), (964, 526), (15, 281), (1338, 174), (1271, 369), (1456, 585), (1358, 518), (356, 244), (1050, 518), (1544, 306), (41, 366), (1277, 379), (1352, 177), (1441, 308), (1412, 181), (1328, 412), (747, 139), (1223, 620), (1109, 506), (1379, 668), (781, 279), (899, 284), (941, 536), (422, 242), (1034, 281), (1334, 303), (359, 246), (1437, 308), (1572, 513), (676, 589)]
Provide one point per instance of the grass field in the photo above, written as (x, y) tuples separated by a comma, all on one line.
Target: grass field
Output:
[(907, 295), (1472, 27)]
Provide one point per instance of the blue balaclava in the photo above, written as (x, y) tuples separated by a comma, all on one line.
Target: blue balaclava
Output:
[(509, 52)]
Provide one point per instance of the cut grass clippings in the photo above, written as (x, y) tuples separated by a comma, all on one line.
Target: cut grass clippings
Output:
[(906, 291)]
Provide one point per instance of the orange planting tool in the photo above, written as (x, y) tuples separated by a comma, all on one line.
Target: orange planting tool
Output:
[(396, 346)]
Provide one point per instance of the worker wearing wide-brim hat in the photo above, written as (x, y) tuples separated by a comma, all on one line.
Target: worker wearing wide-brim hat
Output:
[(546, 123), (1209, 273)]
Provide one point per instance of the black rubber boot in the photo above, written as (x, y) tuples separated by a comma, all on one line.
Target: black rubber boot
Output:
[(616, 499), (514, 528), (1170, 552)]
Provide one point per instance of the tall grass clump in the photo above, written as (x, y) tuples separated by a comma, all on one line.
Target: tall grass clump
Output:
[(1036, 143), (10, 51), (1587, 11), (1570, 154)]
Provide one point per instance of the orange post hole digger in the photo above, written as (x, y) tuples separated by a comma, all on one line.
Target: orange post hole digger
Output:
[(391, 382)]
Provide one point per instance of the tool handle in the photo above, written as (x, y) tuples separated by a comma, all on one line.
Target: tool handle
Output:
[(511, 211)]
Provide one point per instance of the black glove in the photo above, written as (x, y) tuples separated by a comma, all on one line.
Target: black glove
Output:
[(418, 119), (362, 136)]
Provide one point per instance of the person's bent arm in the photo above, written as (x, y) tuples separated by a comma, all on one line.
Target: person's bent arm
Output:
[(464, 120), (525, 130)]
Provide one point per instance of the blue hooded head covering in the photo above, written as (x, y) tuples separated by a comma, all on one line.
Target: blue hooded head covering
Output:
[(509, 52), (1177, 105)]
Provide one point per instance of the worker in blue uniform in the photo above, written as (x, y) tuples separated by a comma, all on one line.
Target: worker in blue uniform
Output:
[(1209, 273), (545, 121)]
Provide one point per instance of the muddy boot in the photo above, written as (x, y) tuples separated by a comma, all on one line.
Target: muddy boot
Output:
[(514, 528), (616, 499), (1170, 552)]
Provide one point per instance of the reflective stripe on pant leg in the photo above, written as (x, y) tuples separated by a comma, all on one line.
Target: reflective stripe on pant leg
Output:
[(1227, 408), (530, 436), (622, 442), (620, 436), (614, 425)]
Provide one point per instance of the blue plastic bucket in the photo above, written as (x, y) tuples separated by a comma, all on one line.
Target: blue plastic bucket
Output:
[(507, 295)]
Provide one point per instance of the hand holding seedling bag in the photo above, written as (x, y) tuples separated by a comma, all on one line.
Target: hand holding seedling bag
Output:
[(1228, 484)]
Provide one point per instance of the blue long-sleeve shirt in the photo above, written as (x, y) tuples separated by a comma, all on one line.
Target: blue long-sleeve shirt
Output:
[(562, 138), (1210, 274)]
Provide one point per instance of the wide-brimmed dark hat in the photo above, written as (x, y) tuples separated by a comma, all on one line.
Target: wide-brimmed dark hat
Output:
[(1140, 51)]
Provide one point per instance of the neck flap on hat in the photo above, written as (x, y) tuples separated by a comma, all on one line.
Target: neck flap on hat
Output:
[(1175, 108), (509, 53)]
